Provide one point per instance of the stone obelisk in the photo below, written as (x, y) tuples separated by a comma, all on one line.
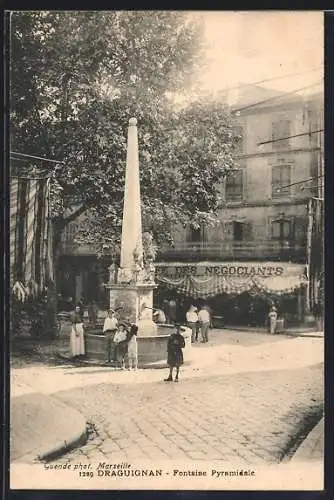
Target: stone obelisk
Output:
[(132, 294), (131, 247)]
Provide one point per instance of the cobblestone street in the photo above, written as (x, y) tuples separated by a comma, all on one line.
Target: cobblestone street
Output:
[(248, 398), (253, 417)]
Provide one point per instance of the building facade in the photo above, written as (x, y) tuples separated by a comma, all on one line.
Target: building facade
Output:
[(264, 217)]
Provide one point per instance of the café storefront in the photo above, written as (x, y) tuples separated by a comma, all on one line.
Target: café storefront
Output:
[(240, 293)]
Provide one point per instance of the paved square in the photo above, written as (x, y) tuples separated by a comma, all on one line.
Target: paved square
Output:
[(250, 417)]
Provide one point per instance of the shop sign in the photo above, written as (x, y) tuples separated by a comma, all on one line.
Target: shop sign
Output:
[(242, 270)]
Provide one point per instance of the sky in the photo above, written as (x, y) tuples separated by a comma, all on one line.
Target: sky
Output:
[(245, 47)]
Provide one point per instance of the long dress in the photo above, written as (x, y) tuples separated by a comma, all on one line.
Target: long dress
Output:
[(77, 341), (133, 347), (174, 350), (272, 321)]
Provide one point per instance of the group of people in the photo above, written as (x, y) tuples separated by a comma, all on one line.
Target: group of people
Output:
[(199, 321), (121, 341)]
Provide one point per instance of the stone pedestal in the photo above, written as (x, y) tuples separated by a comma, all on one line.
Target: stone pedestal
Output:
[(134, 303)]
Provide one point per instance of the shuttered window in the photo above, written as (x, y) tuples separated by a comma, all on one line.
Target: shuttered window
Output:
[(280, 134), (282, 229), (238, 231), (281, 177), (234, 186)]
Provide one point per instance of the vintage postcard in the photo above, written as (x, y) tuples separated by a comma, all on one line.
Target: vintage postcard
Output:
[(166, 250)]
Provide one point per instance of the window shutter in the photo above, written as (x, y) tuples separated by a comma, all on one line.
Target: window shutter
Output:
[(276, 174), (228, 230), (275, 229), (281, 176), (274, 130), (286, 229), (301, 228), (234, 186), (247, 231), (286, 174), (281, 129), (286, 128)]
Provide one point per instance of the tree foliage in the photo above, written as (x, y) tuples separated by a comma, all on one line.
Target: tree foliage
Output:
[(77, 78)]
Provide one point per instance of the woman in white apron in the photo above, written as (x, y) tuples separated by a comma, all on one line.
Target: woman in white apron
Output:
[(77, 342)]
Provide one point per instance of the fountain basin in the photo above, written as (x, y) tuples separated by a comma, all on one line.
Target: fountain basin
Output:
[(151, 349)]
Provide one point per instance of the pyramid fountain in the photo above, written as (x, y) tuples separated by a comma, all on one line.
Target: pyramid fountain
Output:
[(131, 285)]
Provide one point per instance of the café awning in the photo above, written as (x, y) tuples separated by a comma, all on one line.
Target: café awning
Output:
[(204, 283)]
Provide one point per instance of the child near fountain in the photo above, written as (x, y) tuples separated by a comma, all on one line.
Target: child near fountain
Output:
[(132, 348), (121, 344), (174, 353), (109, 330)]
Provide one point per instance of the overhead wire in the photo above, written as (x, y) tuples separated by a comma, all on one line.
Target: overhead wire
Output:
[(283, 77), (269, 99), (291, 136), (300, 182)]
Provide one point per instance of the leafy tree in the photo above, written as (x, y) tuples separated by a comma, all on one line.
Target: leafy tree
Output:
[(77, 78)]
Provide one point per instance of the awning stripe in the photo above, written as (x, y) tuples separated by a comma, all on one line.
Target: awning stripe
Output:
[(31, 230), (31, 257)]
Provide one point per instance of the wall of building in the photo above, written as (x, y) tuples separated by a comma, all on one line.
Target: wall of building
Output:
[(261, 202)]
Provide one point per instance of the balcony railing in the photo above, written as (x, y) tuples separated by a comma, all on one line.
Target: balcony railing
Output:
[(235, 250)]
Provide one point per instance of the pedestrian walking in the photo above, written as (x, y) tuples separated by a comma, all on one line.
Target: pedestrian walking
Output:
[(121, 345), (109, 330), (272, 319), (77, 341), (132, 348), (204, 323), (192, 322), (174, 353)]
